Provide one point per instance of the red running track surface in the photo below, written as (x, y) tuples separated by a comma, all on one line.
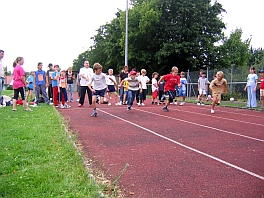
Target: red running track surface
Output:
[(186, 152)]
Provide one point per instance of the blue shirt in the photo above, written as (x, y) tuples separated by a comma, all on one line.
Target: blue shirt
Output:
[(40, 77), (30, 80), (54, 82)]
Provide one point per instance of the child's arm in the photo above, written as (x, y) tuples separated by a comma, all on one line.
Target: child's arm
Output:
[(140, 87), (90, 87), (161, 78), (121, 83), (112, 81), (225, 87)]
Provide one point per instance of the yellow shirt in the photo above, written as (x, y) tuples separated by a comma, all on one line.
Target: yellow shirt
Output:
[(125, 85), (218, 87)]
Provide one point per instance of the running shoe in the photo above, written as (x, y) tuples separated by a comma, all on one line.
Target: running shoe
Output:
[(165, 108), (79, 105), (28, 110), (109, 103), (128, 108), (94, 114), (202, 104), (198, 103), (212, 111)]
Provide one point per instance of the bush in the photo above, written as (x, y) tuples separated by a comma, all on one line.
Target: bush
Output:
[(10, 87), (235, 94)]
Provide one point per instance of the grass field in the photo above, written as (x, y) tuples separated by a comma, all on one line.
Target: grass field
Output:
[(38, 158)]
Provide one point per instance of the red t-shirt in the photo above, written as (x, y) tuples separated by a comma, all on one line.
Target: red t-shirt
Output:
[(261, 83), (171, 82)]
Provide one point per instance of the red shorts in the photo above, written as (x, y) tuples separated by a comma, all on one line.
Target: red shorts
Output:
[(155, 94)]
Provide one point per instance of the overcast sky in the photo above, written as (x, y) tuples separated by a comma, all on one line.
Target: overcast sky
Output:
[(57, 31)]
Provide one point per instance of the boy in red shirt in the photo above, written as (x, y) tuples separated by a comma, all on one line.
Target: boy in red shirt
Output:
[(171, 80), (262, 87)]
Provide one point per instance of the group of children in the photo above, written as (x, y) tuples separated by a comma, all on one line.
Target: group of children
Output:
[(135, 84)]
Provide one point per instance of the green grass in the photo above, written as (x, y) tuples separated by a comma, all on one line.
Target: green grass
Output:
[(38, 158)]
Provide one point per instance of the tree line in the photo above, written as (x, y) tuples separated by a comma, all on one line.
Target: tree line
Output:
[(163, 33)]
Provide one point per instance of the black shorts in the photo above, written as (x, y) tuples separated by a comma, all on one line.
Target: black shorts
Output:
[(171, 95), (30, 89), (20, 90), (111, 88)]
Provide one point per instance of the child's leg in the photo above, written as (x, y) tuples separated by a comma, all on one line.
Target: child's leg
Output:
[(94, 101), (215, 101), (262, 101)]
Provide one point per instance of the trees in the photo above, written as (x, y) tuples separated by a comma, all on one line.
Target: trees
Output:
[(162, 33), (234, 50)]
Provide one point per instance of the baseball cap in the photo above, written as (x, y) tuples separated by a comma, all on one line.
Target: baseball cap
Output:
[(133, 72), (50, 64), (261, 71)]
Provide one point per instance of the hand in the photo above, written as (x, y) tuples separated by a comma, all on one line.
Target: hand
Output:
[(58, 91), (140, 91), (92, 90)]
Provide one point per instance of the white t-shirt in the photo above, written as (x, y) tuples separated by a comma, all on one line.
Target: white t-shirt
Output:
[(153, 82), (184, 83), (88, 73), (143, 80), (133, 84), (251, 80), (109, 82), (2, 73), (99, 81)]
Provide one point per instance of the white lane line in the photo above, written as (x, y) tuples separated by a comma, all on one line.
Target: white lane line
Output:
[(245, 122), (187, 147), (237, 109), (200, 125)]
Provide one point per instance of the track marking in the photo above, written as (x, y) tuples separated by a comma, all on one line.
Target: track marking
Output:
[(187, 147), (248, 115), (193, 123)]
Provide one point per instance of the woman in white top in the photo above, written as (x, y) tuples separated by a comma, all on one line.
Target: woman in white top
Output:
[(251, 87)]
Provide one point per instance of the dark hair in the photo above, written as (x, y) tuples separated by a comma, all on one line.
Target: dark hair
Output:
[(203, 72), (50, 65), (40, 63), (16, 61), (253, 68), (2, 51)]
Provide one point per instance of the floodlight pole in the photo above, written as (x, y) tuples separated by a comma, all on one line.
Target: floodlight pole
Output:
[(126, 39)]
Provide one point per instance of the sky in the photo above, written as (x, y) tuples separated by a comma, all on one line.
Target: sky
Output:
[(57, 31)]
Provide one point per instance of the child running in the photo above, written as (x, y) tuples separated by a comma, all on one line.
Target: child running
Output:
[(218, 86), (171, 81), (154, 87), (182, 90), (99, 86), (133, 87)]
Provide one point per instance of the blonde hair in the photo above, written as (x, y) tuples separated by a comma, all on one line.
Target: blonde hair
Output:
[(220, 73), (17, 60), (143, 71), (97, 66), (110, 70), (174, 68)]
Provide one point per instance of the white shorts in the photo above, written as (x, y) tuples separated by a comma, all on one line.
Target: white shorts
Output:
[(202, 92), (261, 92)]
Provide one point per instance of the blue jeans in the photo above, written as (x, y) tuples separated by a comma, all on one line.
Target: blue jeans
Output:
[(131, 97), (70, 91), (121, 93), (1, 84), (252, 99)]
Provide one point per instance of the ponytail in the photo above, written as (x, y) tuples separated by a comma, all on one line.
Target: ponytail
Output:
[(16, 61)]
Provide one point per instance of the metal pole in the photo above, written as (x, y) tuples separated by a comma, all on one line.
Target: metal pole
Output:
[(231, 80), (126, 42)]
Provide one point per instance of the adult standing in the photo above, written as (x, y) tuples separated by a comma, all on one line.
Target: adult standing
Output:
[(40, 84), (122, 76), (85, 73), (19, 83), (49, 74), (251, 87), (2, 73)]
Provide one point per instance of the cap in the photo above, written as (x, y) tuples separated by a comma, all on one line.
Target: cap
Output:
[(50, 64), (133, 72), (261, 71), (56, 66)]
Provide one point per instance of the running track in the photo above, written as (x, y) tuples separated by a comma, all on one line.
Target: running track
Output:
[(186, 152)]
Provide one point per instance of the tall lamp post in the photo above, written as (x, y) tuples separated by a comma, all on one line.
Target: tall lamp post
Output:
[(126, 40), (231, 85)]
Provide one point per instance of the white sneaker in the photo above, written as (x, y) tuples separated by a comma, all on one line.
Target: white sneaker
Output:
[(138, 104), (175, 103), (182, 103), (198, 103), (67, 106), (202, 104), (109, 104), (142, 104), (212, 111), (117, 104), (120, 103), (77, 100), (61, 106)]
